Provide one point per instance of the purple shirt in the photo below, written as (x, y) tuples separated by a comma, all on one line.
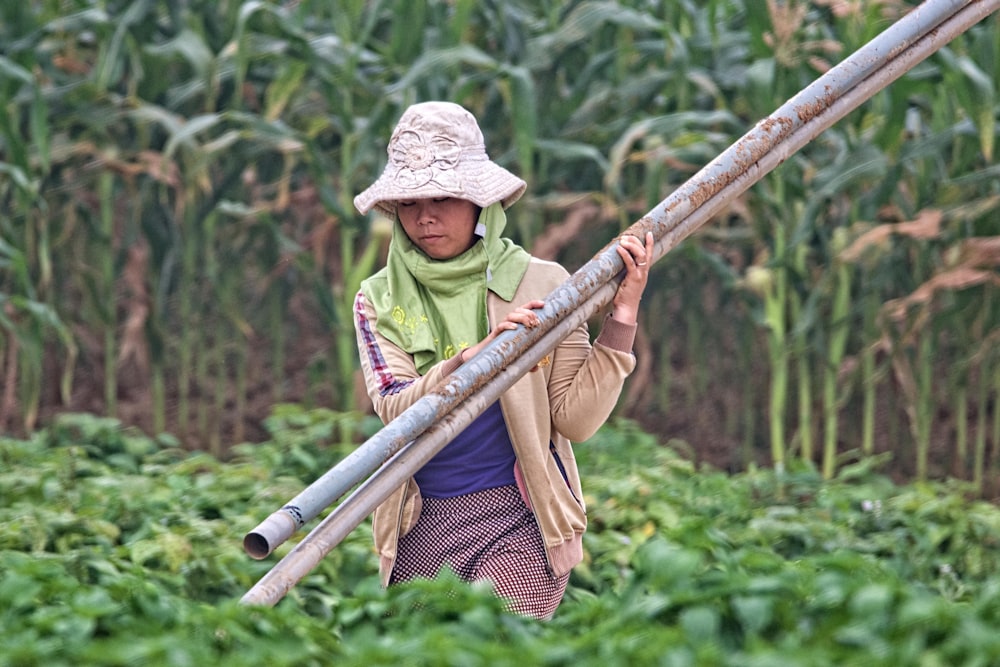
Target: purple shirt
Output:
[(480, 457)]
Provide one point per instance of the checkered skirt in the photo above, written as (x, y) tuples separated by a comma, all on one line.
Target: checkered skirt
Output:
[(487, 535)]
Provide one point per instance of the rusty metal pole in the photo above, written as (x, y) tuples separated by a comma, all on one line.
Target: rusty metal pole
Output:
[(391, 456)]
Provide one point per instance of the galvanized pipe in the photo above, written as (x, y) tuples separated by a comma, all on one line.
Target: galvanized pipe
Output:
[(397, 451), (344, 518)]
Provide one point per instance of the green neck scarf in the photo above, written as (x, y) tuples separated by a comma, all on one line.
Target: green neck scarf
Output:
[(433, 309)]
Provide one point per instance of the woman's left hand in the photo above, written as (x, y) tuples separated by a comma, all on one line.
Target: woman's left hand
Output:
[(636, 257)]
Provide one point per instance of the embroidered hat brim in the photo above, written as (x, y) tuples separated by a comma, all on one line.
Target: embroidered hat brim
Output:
[(437, 150)]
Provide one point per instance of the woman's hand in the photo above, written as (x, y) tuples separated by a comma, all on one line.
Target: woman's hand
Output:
[(636, 257), (524, 315)]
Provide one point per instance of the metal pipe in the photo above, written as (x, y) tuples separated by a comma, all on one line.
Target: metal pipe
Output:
[(339, 523), (481, 380)]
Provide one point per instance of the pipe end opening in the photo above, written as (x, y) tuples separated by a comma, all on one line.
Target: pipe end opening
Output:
[(256, 546)]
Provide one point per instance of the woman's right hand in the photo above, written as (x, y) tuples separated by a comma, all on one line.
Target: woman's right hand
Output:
[(524, 315)]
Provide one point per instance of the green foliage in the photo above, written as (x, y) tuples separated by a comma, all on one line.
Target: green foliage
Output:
[(120, 549), (177, 182)]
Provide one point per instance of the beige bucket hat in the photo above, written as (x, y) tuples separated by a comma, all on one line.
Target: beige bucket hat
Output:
[(437, 150)]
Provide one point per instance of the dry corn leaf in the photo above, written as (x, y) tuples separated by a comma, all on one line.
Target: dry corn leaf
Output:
[(926, 226), (959, 278)]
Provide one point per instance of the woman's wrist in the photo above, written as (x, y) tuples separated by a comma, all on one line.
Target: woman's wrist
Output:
[(626, 316), (616, 334)]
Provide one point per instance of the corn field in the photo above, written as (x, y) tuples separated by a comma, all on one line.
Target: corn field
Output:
[(179, 249)]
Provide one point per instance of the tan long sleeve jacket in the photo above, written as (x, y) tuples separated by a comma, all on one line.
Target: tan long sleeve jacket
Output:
[(566, 400)]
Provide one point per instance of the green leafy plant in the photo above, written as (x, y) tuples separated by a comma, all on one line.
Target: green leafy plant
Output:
[(117, 548), (180, 248)]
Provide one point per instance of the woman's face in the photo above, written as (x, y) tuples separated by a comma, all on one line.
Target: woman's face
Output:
[(443, 227)]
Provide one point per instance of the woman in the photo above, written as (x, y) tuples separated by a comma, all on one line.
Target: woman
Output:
[(502, 502)]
